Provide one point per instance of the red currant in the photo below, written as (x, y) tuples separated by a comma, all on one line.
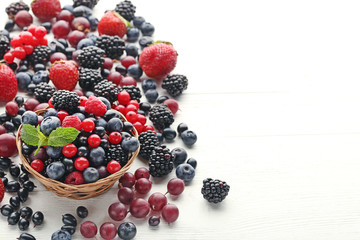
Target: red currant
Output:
[(94, 140), (139, 127), (135, 103), (37, 165), (128, 61), (142, 119), (170, 213), (32, 29), (43, 42), (115, 138), (88, 125), (131, 116), (12, 108), (143, 185), (35, 42), (131, 107), (81, 163), (148, 127), (113, 166), (28, 49), (157, 201), (69, 150), (40, 32), (83, 100), (26, 37), (121, 109), (16, 42), (62, 114), (50, 103), (9, 57), (19, 53), (142, 173), (175, 186), (123, 97)]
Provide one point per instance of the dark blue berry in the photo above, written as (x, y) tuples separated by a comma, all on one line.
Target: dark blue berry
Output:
[(162, 99), (9, 25), (145, 41), (48, 26), (15, 202), (185, 172), (127, 230), (54, 152), (69, 229), (131, 49), (30, 117), (106, 102), (61, 235), (132, 34), (38, 218), (23, 80), (49, 124), (69, 164), (86, 42), (55, 170), (80, 116), (23, 224), (148, 84), (91, 175), (41, 76), (82, 212), (7, 209), (121, 69), (97, 156), (29, 185), (26, 212), (114, 125), (151, 95), (13, 186), (111, 114), (13, 218), (82, 151), (138, 20), (179, 154), (189, 137), (181, 128), (69, 220), (39, 67), (130, 144), (135, 71), (93, 22), (23, 194), (169, 134), (70, 8), (147, 29)]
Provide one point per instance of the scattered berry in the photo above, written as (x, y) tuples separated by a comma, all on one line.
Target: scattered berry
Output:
[(214, 191)]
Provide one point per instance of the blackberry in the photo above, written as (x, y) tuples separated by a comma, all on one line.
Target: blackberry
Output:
[(41, 54), (88, 78), (135, 93), (126, 9), (43, 92), (107, 90), (4, 45), (214, 190), (112, 45), (161, 162), (148, 141), (16, 7), (87, 3), (91, 57), (161, 116), (115, 152), (175, 84), (66, 100)]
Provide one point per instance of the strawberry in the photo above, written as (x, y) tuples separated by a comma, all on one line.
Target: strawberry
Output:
[(45, 10), (112, 24), (158, 60), (64, 75), (2, 190), (8, 83)]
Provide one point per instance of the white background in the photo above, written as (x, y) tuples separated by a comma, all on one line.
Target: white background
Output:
[(274, 98)]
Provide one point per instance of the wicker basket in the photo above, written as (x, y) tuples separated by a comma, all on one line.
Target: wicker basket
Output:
[(77, 192)]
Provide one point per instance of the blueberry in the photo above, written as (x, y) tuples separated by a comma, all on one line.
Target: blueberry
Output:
[(69, 7), (162, 99), (82, 212), (121, 69), (127, 230), (82, 11), (39, 67), (132, 34), (189, 137), (22, 68), (128, 127), (56, 46), (69, 52), (30, 117), (54, 152), (151, 95), (23, 224), (147, 29), (61, 235), (111, 114), (114, 125), (69, 164), (130, 144), (19, 100), (21, 111), (145, 41), (93, 22), (49, 124), (100, 122), (185, 172), (91, 175), (23, 80), (131, 49), (169, 134), (31, 88), (55, 170), (106, 102), (93, 37), (80, 116), (7, 209), (86, 42), (48, 26), (69, 220), (97, 156), (16, 121), (182, 127), (50, 112), (41, 76), (9, 126), (100, 131), (148, 84), (179, 154), (9, 25), (138, 20), (5, 33), (135, 71)]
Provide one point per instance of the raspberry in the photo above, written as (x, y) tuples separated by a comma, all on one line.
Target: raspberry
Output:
[(72, 121), (95, 106), (74, 178)]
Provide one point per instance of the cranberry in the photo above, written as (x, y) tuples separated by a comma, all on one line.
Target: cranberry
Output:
[(126, 195), (2, 129), (131, 107), (108, 231), (61, 29), (135, 103), (83, 101), (74, 37), (79, 92), (148, 127), (23, 18)]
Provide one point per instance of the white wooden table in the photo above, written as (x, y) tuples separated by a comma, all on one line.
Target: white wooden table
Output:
[(274, 98)]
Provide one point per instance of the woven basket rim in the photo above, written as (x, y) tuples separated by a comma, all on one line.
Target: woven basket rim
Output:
[(48, 182)]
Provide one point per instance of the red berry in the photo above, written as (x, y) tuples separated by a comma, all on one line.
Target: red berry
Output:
[(11, 108), (43, 41), (126, 195), (2, 129), (117, 211), (81, 24), (128, 61), (83, 100), (40, 32), (81, 163), (31, 29), (64, 68), (139, 208), (139, 127), (69, 150), (94, 140), (108, 231), (124, 97), (57, 57), (16, 42), (37, 165), (148, 127), (74, 37), (121, 109), (115, 77), (61, 29), (143, 185), (28, 49), (75, 178), (35, 42), (95, 106), (170, 213), (71, 121), (88, 229), (65, 15), (19, 53), (26, 37), (31, 103), (127, 180), (175, 186), (23, 18), (135, 103), (131, 107), (113, 166), (108, 64), (50, 103), (142, 119), (8, 145), (142, 173), (172, 105), (62, 114), (78, 92), (41, 106), (9, 57), (131, 116), (112, 24), (157, 201), (88, 125), (45, 10), (115, 138), (128, 81)]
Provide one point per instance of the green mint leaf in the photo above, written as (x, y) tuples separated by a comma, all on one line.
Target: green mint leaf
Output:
[(30, 135), (62, 136), (43, 141)]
